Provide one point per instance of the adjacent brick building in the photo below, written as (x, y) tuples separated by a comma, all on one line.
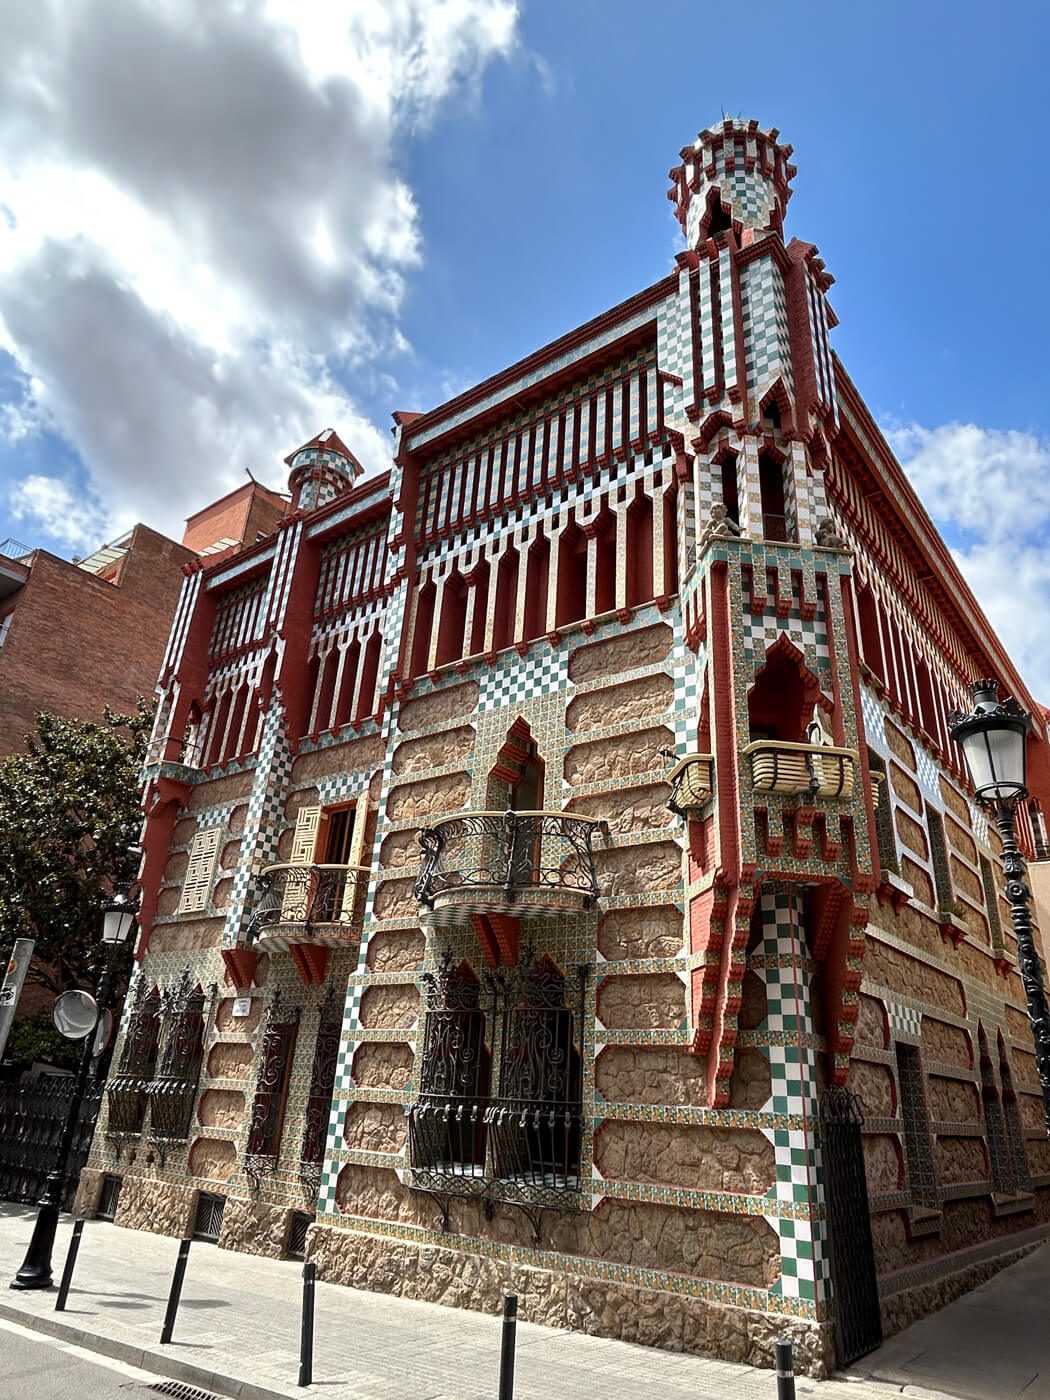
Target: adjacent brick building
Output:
[(76, 636), (555, 848)]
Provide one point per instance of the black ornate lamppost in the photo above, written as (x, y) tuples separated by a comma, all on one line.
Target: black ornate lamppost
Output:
[(993, 740), (118, 920)]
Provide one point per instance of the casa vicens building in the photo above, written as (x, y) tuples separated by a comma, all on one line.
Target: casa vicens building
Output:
[(558, 871)]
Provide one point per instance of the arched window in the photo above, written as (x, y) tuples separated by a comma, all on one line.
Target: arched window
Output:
[(453, 619), (536, 580), (481, 609), (220, 715), (639, 551), (422, 629), (730, 488), (774, 505), (232, 746), (781, 700), (506, 600), (345, 699), (366, 697), (604, 562), (870, 636), (572, 576)]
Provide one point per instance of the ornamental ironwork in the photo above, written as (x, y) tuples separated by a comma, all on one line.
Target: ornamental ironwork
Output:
[(271, 1090), (522, 1144), (507, 854), (306, 897), (185, 1011), (126, 1092), (319, 1099)]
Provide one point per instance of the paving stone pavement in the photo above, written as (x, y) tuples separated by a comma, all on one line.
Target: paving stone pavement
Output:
[(237, 1333)]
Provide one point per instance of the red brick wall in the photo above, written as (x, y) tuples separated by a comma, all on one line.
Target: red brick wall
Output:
[(243, 514), (77, 643)]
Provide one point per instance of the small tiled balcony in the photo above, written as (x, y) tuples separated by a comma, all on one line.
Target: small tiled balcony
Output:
[(691, 780), (308, 904), (818, 771), (527, 864)]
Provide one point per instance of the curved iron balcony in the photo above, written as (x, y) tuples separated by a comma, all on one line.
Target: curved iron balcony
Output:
[(691, 779), (307, 904), (524, 1151), (525, 863), (818, 770)]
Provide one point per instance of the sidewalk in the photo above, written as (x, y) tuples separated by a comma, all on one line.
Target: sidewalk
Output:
[(238, 1333)]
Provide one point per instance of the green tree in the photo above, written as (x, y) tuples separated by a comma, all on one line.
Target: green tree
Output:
[(69, 826)]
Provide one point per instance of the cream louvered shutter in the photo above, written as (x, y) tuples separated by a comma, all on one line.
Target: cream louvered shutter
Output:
[(296, 900), (355, 856), (196, 887)]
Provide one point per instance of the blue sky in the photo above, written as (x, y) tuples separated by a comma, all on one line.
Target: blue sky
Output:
[(378, 207)]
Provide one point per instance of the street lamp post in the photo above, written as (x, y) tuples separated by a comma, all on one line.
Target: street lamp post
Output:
[(118, 919), (993, 740)]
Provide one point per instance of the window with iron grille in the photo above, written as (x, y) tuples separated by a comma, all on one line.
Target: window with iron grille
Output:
[(939, 860), (301, 1222), (1002, 1169), (322, 1082), (991, 902), (888, 859), (918, 1147), (174, 1090), (108, 1197), (271, 1093), (450, 1113), (207, 1223), (1014, 1130), (126, 1091)]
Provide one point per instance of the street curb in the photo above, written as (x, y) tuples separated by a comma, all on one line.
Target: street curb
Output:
[(158, 1362)]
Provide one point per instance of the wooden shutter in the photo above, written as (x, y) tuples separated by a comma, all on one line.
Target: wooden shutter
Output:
[(296, 901), (196, 887), (355, 856)]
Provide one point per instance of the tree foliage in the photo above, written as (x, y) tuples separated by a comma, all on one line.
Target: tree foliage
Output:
[(69, 825)]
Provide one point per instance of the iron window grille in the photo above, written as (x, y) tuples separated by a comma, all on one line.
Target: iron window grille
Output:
[(173, 1092), (271, 1093), (126, 1093), (918, 1148), (522, 1144), (1014, 1130), (301, 1222), (207, 1223), (108, 1197), (319, 1099), (1002, 1173)]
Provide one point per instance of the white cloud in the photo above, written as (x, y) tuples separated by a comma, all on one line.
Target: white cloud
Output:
[(205, 222), (989, 491), (55, 506)]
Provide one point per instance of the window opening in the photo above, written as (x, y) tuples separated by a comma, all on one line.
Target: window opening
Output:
[(774, 508), (1002, 1175), (366, 696), (730, 488), (942, 879), (670, 542), (918, 1148), (870, 636), (207, 1223), (481, 609), (109, 1197), (453, 619), (322, 1084), (271, 1093), (173, 1092), (572, 576), (505, 620), (1012, 1116), (449, 1117), (126, 1092), (604, 562), (536, 584), (639, 551), (422, 629), (884, 815), (301, 1222)]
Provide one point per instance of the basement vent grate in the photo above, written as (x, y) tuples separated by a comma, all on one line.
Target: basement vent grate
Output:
[(177, 1391)]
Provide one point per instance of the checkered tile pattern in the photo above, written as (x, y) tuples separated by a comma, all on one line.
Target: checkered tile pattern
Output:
[(764, 314), (874, 723), (688, 670), (263, 823), (927, 777), (905, 1021), (789, 1020), (979, 822), (810, 637), (513, 679), (674, 348)]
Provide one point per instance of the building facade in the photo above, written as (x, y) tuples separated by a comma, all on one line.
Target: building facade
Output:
[(558, 875), (78, 635)]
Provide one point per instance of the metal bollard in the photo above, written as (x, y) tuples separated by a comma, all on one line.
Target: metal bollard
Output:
[(70, 1264), (176, 1291), (785, 1371), (306, 1337), (506, 1360)]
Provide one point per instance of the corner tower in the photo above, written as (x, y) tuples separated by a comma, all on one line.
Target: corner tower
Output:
[(322, 468)]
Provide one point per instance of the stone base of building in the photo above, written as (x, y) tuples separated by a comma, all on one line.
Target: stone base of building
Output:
[(910, 1304), (598, 1307)]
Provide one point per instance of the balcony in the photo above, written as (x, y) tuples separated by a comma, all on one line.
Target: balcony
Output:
[(521, 1151), (523, 863), (691, 782), (816, 770), (316, 904)]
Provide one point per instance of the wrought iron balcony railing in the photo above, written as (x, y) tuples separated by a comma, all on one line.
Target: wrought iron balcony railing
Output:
[(522, 1151), (126, 1095), (535, 861), (691, 783), (308, 904), (819, 770), (171, 1100)]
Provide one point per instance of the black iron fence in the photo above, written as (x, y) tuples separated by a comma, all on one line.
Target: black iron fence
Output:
[(31, 1120)]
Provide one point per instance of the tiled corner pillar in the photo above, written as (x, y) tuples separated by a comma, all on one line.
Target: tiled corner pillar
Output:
[(782, 962)]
